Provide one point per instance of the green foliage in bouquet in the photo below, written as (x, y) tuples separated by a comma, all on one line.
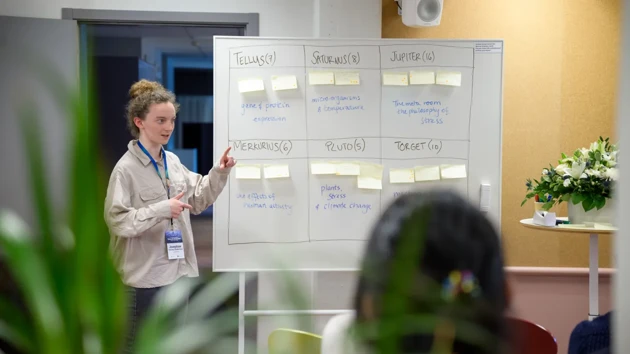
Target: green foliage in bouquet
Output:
[(587, 176)]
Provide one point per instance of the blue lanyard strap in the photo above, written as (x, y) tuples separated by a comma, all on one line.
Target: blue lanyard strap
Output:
[(168, 183)]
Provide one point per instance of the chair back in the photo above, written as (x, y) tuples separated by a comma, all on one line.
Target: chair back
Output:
[(530, 338), (290, 341)]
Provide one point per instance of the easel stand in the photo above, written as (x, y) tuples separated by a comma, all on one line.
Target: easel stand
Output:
[(242, 313)]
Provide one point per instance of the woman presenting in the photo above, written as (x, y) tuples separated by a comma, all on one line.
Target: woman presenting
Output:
[(150, 197)]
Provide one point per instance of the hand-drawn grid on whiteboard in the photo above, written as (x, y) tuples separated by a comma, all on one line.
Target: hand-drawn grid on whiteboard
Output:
[(328, 132)]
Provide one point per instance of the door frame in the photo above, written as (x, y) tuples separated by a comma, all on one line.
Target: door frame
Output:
[(250, 22)]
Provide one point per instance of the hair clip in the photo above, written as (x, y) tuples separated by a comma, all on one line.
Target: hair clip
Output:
[(459, 282)]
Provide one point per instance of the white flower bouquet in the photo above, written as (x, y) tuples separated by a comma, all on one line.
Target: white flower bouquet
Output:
[(588, 177)]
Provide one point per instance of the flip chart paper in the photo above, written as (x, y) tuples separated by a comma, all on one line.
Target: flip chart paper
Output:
[(277, 171), (288, 82), (453, 171), (321, 78), (247, 171), (251, 85), (427, 173), (347, 78), (395, 79), (422, 78), (348, 169), (401, 175), (323, 168), (449, 78)]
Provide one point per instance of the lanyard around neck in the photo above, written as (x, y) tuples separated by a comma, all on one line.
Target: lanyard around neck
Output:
[(168, 183)]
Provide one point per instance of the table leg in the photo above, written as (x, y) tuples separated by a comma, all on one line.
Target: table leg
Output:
[(593, 278)]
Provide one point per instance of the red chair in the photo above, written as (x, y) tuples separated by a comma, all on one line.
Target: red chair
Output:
[(530, 338)]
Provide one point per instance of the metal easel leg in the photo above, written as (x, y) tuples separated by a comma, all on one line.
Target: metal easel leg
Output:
[(241, 313)]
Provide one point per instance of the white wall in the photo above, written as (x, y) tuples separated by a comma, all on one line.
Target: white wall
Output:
[(20, 87), (621, 315), (347, 18), (278, 18)]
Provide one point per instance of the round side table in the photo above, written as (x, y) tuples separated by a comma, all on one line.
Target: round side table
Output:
[(593, 256)]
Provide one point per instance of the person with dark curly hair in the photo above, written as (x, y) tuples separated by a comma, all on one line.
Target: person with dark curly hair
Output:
[(432, 276)]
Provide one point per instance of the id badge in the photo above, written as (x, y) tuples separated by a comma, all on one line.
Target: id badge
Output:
[(174, 244)]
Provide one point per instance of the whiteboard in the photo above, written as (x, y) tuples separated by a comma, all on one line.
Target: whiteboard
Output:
[(276, 106)]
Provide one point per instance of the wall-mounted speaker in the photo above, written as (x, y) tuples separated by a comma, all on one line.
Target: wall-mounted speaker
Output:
[(421, 13)]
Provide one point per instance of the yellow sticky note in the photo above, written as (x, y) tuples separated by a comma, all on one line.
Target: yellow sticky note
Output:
[(279, 83), (371, 177), (395, 79), (369, 183), (323, 168), (321, 78), (422, 78), (276, 171), (402, 175), (348, 169), (372, 170), (427, 173), (347, 78), (453, 171), (247, 171), (251, 85), (449, 78)]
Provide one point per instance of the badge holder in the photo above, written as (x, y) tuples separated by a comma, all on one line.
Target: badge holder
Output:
[(174, 243)]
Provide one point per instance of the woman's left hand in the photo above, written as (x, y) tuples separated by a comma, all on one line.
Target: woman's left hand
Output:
[(227, 161)]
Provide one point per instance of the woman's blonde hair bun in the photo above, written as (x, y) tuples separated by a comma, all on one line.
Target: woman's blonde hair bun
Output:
[(144, 87)]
